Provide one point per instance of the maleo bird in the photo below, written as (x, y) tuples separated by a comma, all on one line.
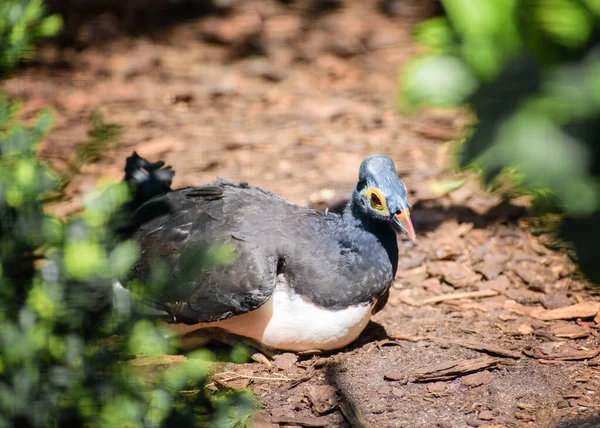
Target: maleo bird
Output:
[(299, 279)]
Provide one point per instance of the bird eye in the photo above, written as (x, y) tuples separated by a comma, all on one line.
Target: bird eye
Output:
[(376, 201)]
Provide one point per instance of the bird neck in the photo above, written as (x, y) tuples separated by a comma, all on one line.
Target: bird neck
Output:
[(356, 216), (367, 233)]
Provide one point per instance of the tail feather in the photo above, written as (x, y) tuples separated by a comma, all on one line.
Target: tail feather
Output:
[(146, 179)]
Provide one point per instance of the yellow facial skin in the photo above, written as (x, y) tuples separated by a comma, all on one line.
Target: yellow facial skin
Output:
[(377, 200)]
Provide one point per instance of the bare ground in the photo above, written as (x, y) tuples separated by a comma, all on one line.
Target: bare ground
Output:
[(316, 96)]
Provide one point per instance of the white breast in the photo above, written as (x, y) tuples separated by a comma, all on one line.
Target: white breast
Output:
[(290, 322), (294, 324)]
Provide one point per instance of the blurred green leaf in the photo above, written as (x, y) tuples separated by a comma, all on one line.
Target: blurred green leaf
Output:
[(51, 26), (122, 258), (593, 5), (566, 21), (437, 81), (435, 34), (146, 339), (536, 98), (84, 259), (444, 187), (549, 159), (61, 361), (233, 410)]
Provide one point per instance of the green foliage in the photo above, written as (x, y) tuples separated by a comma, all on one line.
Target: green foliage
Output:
[(22, 22), (529, 70), (65, 335), (58, 365)]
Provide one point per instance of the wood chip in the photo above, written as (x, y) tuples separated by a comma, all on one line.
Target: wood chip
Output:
[(285, 360), (477, 379), (233, 380), (487, 348), (518, 308), (486, 415), (437, 388), (492, 265), (525, 329), (456, 296), (570, 331), (406, 296), (499, 284), (579, 310), (323, 398), (456, 274), (448, 248), (525, 417), (570, 355), (453, 369), (524, 296), (525, 406), (402, 274), (463, 229), (526, 271), (395, 376)]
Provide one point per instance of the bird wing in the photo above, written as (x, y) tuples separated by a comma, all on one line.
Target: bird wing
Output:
[(183, 243)]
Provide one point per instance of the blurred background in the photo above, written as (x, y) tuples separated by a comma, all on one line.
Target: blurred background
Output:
[(491, 114)]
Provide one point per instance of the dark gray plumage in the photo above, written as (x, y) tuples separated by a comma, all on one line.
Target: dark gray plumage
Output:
[(334, 261)]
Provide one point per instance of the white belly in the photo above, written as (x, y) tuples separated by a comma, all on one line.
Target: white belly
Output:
[(289, 322)]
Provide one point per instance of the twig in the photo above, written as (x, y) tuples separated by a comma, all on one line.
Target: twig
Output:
[(476, 346), (310, 372), (456, 296), (283, 378), (453, 369), (487, 348)]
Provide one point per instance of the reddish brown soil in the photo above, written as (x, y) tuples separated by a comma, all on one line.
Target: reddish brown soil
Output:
[(297, 118)]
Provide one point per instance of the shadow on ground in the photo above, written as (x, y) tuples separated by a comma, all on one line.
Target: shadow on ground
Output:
[(589, 422)]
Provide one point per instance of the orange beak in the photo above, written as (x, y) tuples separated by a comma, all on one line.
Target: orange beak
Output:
[(404, 222)]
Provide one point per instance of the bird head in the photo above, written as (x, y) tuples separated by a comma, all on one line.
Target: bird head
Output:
[(381, 195)]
